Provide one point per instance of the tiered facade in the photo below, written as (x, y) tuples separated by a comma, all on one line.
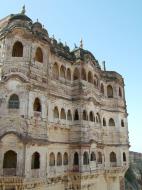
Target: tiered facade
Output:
[(63, 119)]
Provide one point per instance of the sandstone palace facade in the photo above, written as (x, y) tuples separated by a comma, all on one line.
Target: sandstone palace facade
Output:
[(63, 119)]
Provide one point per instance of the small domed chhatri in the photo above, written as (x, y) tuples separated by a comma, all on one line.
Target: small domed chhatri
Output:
[(63, 119)]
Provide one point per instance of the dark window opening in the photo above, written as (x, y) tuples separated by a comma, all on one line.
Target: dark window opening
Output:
[(17, 50), (13, 102), (35, 163), (37, 105), (10, 159)]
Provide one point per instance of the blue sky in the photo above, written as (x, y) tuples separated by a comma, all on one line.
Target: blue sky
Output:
[(111, 30)]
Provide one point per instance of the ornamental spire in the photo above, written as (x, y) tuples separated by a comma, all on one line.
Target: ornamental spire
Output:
[(23, 10), (81, 43)]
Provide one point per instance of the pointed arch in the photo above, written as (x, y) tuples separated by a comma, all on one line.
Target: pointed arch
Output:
[(65, 158), (99, 158), (91, 116), (56, 112), (63, 114), (85, 158), (90, 77), (104, 122), (68, 75), (37, 105), (10, 159), (93, 156), (55, 71), (35, 161), (52, 159), (109, 91), (113, 157), (17, 50), (76, 159), (122, 123), (111, 122), (69, 115), (76, 74), (59, 159), (62, 71), (83, 74), (84, 116), (76, 115), (13, 102), (39, 55), (124, 157), (120, 92)]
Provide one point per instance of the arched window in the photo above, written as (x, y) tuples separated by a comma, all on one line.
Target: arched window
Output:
[(120, 92), (99, 158), (112, 157), (37, 105), (35, 162), (76, 159), (59, 159), (104, 122), (90, 77), (102, 88), (13, 102), (63, 114), (84, 115), (55, 71), (62, 71), (85, 158), (39, 55), (83, 74), (111, 122), (122, 123), (69, 115), (109, 91), (76, 116), (10, 159), (76, 75), (124, 157), (91, 116), (52, 159), (17, 50), (56, 113), (68, 74), (93, 156), (65, 159)]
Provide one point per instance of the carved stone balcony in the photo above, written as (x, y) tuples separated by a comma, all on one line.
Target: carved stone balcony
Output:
[(75, 168)]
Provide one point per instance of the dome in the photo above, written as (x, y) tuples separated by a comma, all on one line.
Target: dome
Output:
[(20, 16), (37, 25)]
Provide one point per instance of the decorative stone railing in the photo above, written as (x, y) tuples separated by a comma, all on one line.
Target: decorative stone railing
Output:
[(75, 168)]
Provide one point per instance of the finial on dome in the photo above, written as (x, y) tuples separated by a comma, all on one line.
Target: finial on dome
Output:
[(53, 37), (37, 19), (81, 43), (23, 10)]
